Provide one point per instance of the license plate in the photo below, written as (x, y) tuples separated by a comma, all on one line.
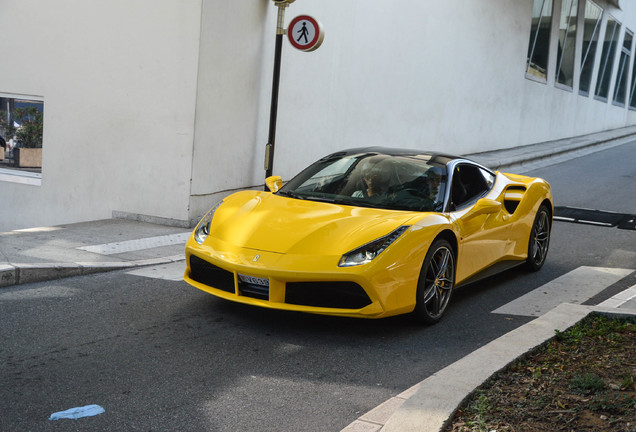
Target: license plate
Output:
[(254, 280)]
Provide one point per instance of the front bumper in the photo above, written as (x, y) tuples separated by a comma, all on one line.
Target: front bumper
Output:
[(304, 283)]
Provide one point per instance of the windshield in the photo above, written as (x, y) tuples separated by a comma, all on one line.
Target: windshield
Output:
[(373, 180)]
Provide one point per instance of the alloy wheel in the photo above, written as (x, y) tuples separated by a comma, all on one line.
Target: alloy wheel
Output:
[(436, 282)]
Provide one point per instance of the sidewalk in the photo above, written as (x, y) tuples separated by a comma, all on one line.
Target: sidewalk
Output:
[(521, 159), (48, 253)]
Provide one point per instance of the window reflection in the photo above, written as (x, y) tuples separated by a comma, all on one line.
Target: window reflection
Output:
[(539, 46), (591, 28), (567, 38), (623, 70), (607, 58), (632, 97), (21, 133)]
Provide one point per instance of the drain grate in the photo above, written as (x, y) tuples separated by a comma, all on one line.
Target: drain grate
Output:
[(595, 217)]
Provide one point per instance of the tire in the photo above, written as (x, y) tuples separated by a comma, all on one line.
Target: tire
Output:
[(539, 240), (436, 282)]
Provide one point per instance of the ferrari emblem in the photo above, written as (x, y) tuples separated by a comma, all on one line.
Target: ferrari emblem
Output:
[(256, 258)]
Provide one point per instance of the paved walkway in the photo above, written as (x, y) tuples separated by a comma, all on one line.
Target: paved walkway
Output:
[(526, 158), (48, 253)]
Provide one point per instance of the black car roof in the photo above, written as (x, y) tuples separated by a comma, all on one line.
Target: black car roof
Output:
[(435, 156)]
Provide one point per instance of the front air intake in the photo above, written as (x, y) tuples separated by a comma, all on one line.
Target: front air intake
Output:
[(208, 274), (341, 295)]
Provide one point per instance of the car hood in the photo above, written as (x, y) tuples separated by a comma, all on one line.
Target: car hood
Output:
[(268, 222)]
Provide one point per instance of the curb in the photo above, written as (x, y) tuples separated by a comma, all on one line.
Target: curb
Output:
[(533, 153), (23, 273), (431, 404)]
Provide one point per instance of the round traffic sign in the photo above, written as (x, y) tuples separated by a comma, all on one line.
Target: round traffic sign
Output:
[(305, 33)]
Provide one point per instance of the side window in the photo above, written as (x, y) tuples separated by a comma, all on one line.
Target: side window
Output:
[(607, 59), (21, 137), (591, 28), (469, 184), (567, 38), (489, 178), (620, 88), (539, 44), (632, 94)]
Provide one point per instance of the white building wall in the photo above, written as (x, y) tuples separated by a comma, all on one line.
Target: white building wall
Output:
[(161, 108), (227, 105), (118, 78), (446, 76)]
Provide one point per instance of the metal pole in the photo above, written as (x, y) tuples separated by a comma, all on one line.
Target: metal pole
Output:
[(273, 113)]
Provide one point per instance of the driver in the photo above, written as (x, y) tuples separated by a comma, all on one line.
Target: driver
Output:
[(374, 178)]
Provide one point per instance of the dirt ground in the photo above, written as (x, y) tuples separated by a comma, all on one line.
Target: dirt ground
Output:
[(583, 380)]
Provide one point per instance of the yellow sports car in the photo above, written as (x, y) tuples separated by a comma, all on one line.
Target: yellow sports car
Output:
[(370, 233)]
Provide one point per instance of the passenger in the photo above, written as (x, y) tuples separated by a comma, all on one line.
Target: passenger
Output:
[(434, 179)]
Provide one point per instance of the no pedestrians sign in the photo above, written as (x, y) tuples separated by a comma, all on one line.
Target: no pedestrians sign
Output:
[(305, 33)]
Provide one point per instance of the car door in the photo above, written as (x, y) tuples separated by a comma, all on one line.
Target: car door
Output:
[(480, 219)]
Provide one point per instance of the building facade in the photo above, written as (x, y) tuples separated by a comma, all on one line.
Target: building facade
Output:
[(155, 110)]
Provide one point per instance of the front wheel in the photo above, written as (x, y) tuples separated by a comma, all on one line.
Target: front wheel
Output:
[(436, 282), (539, 239)]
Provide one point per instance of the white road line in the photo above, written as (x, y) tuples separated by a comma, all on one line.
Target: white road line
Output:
[(583, 221), (576, 287), (621, 298), (136, 245), (173, 271)]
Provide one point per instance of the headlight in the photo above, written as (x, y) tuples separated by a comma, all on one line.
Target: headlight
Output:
[(203, 229), (369, 251)]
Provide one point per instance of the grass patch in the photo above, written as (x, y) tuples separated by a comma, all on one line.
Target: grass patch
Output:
[(587, 383), (582, 380)]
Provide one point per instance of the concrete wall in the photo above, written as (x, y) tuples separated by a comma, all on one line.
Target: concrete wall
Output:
[(447, 76), (228, 105), (161, 108), (118, 78)]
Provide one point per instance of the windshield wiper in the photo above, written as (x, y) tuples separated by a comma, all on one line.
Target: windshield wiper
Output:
[(320, 199), (305, 197), (359, 203), (291, 195)]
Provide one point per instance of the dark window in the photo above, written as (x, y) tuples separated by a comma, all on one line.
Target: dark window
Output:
[(469, 183), (567, 38), (593, 15), (607, 58), (632, 95), (539, 45), (620, 92), (21, 136)]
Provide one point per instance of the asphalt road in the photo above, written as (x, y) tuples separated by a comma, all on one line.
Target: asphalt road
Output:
[(160, 355)]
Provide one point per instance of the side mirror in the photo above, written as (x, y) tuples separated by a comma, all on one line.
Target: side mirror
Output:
[(486, 206), (482, 207), (274, 183)]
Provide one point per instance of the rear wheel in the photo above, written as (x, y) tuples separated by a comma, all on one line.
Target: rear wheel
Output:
[(539, 239), (436, 282)]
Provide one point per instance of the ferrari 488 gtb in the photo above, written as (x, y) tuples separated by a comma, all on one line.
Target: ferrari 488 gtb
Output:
[(370, 233)]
